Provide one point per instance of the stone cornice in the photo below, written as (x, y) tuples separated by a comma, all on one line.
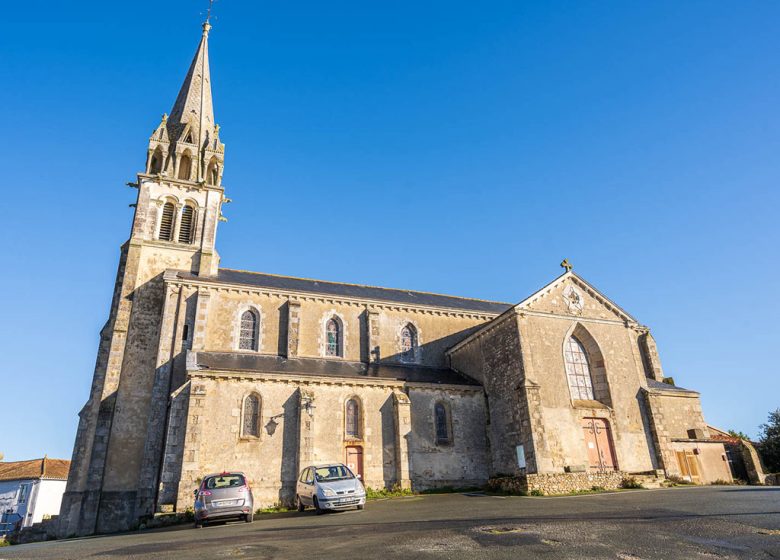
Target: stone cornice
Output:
[(296, 296)]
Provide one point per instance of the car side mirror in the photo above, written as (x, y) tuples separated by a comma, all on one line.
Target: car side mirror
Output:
[(360, 476), (195, 493)]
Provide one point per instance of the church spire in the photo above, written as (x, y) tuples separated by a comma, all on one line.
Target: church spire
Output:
[(188, 139)]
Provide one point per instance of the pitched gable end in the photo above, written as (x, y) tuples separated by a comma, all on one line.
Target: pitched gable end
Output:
[(570, 294)]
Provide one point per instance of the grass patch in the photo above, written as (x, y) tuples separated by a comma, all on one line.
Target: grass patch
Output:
[(4, 542), (451, 490), (394, 492), (276, 508)]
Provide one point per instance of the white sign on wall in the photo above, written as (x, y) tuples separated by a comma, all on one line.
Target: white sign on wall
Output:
[(520, 456)]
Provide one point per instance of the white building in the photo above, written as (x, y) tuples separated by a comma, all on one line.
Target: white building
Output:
[(30, 491)]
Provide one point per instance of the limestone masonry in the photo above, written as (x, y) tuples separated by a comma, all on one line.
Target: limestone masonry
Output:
[(202, 369)]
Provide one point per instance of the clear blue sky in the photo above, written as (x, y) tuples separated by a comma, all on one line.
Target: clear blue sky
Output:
[(456, 147)]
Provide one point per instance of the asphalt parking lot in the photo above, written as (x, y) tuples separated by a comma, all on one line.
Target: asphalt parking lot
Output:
[(702, 523)]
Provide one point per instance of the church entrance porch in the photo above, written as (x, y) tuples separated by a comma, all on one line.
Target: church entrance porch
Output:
[(598, 440), (354, 459)]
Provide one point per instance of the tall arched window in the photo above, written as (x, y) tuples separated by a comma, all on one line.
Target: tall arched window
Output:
[(185, 167), (578, 370), (442, 422), (353, 419), (166, 222), (409, 344), (250, 424), (187, 226), (333, 337), (248, 335)]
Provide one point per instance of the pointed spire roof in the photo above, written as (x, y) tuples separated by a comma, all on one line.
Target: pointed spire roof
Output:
[(192, 116)]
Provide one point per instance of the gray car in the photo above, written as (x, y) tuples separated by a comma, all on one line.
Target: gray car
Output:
[(330, 486), (223, 496)]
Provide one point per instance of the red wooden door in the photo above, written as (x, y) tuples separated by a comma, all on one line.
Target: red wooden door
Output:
[(355, 459), (598, 440)]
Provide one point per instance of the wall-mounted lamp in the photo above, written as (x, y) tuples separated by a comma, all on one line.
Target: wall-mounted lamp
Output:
[(272, 424)]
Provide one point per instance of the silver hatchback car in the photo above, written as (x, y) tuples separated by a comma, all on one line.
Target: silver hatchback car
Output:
[(223, 496), (330, 486)]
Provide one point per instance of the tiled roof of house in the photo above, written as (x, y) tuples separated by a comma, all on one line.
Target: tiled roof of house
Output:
[(289, 283), (47, 469)]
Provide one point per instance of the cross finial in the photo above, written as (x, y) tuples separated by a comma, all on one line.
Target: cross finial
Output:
[(566, 264), (208, 12)]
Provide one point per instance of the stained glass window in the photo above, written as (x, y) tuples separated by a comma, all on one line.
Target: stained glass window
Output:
[(248, 336), (353, 419), (442, 423), (333, 338), (251, 425), (408, 343), (578, 371)]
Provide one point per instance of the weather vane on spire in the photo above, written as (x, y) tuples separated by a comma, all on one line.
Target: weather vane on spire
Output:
[(208, 11)]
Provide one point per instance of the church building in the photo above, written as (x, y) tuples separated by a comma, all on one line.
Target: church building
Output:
[(203, 369)]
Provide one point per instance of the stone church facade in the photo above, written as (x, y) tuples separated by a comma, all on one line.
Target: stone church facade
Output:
[(202, 369)]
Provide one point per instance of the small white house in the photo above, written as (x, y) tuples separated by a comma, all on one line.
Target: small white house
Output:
[(30, 491)]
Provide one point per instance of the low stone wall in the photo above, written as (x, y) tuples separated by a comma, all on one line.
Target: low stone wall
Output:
[(557, 483)]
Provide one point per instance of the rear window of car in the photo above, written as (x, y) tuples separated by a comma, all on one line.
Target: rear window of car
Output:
[(224, 481), (334, 472)]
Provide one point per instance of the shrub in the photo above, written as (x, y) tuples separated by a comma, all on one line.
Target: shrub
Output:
[(630, 482), (598, 488), (721, 482), (536, 492), (4, 542), (394, 492), (674, 480), (276, 508)]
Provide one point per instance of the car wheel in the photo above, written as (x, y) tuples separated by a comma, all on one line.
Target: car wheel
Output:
[(249, 517), (299, 504), (361, 507), (317, 509)]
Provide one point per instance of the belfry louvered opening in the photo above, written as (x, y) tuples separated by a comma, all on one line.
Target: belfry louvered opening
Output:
[(166, 222), (186, 227)]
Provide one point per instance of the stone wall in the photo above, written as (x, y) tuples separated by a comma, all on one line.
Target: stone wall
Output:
[(557, 483)]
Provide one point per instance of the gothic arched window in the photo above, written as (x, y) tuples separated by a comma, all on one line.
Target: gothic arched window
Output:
[(333, 346), (166, 222), (352, 427), (578, 370), (409, 344), (442, 424), (185, 167), (250, 422), (248, 336), (187, 225)]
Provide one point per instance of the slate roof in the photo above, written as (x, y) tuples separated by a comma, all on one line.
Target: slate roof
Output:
[(661, 386), (46, 469), (292, 284), (258, 363)]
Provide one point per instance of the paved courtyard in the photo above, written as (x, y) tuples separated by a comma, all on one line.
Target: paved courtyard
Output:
[(690, 523)]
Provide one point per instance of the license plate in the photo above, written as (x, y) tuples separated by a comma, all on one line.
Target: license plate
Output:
[(224, 503)]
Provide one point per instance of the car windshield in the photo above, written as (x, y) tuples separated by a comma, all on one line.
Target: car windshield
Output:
[(224, 481), (334, 472)]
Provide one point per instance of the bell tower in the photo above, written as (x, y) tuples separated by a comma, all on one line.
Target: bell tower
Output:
[(180, 196), (180, 191)]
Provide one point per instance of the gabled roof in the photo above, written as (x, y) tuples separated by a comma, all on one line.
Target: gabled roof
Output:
[(583, 284), (292, 284), (44, 469)]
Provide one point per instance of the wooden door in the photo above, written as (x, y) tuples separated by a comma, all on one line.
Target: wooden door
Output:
[(598, 440), (355, 459), (689, 465)]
